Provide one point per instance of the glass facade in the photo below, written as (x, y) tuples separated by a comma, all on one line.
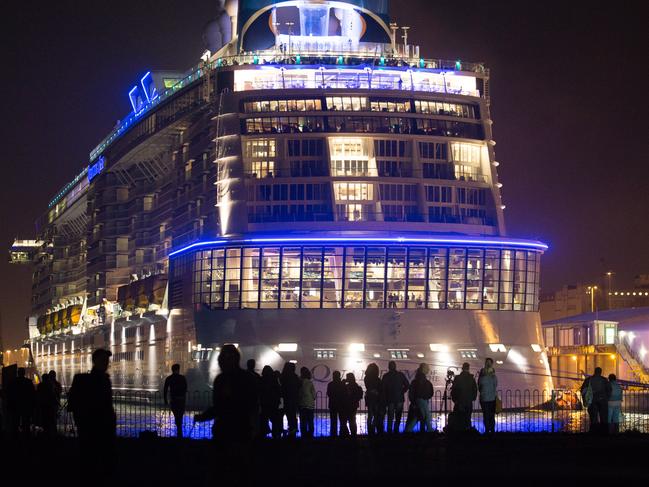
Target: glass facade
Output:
[(371, 277)]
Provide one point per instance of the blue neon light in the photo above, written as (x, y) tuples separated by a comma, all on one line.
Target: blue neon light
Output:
[(396, 240), (132, 96), (96, 168), (149, 88)]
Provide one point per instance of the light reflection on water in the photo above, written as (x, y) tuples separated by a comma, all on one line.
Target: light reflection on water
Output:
[(132, 420)]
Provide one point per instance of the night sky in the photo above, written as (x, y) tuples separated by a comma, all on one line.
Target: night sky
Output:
[(568, 93)]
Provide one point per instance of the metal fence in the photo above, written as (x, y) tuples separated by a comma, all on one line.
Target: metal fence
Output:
[(524, 411)]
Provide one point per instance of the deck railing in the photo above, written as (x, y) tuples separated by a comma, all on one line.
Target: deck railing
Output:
[(524, 411)]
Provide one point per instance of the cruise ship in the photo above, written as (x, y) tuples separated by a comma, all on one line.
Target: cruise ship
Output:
[(312, 190)]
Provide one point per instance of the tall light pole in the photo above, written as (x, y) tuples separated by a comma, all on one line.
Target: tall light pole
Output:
[(609, 274), (591, 291)]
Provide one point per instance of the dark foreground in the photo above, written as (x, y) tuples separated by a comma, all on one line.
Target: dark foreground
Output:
[(528, 459)]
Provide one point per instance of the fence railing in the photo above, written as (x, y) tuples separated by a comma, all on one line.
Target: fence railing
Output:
[(524, 411)]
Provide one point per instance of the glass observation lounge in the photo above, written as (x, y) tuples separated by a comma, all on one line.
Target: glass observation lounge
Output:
[(349, 273)]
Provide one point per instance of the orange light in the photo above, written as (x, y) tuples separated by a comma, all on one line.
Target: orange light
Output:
[(574, 357)]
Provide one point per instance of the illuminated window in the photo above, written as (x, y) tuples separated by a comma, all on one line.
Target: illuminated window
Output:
[(347, 103), (446, 109), (329, 354), (390, 106), (468, 353), (351, 157), (309, 105), (399, 354), (354, 191)]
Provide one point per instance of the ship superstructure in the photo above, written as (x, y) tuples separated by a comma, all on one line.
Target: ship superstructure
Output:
[(314, 190)]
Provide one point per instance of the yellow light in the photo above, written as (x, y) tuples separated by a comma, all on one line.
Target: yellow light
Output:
[(574, 357), (613, 356)]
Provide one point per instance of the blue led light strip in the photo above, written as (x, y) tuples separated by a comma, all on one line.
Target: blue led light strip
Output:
[(395, 240)]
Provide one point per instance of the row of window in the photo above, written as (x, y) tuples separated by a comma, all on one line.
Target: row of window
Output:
[(266, 148), (364, 104), (365, 277), (363, 191), (288, 192), (352, 124)]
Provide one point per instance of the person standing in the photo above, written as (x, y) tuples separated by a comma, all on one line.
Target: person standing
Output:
[(488, 386), (235, 401), (47, 405), (21, 398), (290, 383), (422, 392), (90, 400), (600, 390), (306, 403), (269, 399), (614, 405), (56, 385), (373, 400), (353, 396), (394, 385), (336, 394), (175, 396), (463, 392)]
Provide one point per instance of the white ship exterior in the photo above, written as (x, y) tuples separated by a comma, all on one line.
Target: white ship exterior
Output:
[(312, 191)]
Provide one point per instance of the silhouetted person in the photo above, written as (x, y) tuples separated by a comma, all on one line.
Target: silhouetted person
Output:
[(373, 399), (235, 408), (21, 398), (421, 392), (269, 397), (336, 394), (598, 407), (56, 385), (47, 405), (614, 405), (250, 368), (463, 392), (394, 385), (353, 396), (90, 400), (488, 386), (306, 403), (290, 383), (175, 395)]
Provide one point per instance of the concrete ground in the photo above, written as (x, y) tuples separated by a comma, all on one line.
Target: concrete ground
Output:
[(425, 459)]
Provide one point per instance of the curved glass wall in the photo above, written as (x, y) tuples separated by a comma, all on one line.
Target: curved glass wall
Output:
[(362, 276)]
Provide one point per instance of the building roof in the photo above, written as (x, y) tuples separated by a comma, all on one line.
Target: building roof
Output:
[(617, 315)]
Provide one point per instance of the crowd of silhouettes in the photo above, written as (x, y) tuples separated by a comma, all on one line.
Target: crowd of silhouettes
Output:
[(247, 405)]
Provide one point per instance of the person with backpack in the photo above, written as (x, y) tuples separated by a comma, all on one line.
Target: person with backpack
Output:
[(373, 400), (393, 386), (595, 392), (353, 396), (488, 386), (614, 405), (421, 392)]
